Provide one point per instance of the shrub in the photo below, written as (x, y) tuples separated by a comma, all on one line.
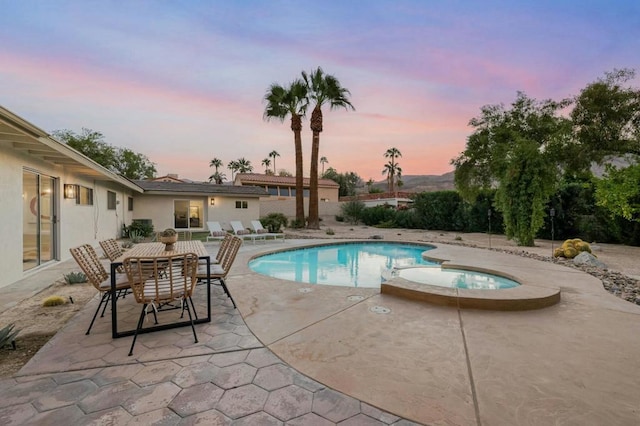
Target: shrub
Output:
[(53, 301), (135, 237), (373, 216), (144, 228), (274, 222), (8, 335), (330, 231), (75, 278), (339, 218), (296, 224), (352, 211)]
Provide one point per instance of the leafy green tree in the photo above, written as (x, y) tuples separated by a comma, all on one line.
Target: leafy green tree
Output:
[(519, 150), (283, 102), (619, 191), (119, 160), (392, 168), (133, 165), (606, 120), (348, 181), (323, 89)]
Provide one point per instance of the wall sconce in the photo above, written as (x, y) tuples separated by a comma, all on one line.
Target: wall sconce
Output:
[(70, 191), (213, 201)]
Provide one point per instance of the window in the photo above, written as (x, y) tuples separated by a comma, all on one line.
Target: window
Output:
[(84, 196), (188, 214), (130, 204), (284, 191), (242, 205), (305, 193), (111, 200), (293, 192), (273, 190)]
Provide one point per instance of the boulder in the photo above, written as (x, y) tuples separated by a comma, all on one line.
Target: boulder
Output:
[(586, 258)]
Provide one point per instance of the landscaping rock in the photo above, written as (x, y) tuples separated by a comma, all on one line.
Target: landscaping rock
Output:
[(588, 259), (376, 237)]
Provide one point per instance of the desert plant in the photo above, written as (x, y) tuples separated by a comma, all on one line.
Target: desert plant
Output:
[(75, 278), (8, 335), (135, 237), (127, 244), (53, 301), (296, 224), (274, 222), (352, 211), (141, 227), (169, 232), (339, 218), (330, 231)]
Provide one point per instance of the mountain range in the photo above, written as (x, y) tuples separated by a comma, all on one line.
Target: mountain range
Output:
[(422, 183)]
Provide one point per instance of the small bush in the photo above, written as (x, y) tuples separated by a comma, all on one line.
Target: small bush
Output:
[(339, 218), (53, 301), (135, 237), (352, 211), (8, 335), (75, 278), (274, 222), (295, 224), (330, 231), (386, 224), (127, 244), (141, 228)]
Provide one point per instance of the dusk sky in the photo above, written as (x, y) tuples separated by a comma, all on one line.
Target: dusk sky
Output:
[(183, 82)]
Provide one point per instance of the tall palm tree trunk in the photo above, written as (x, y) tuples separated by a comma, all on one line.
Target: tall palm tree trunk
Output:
[(296, 126), (316, 128)]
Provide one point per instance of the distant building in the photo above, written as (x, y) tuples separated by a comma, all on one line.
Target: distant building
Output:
[(395, 199), (284, 187), (167, 178)]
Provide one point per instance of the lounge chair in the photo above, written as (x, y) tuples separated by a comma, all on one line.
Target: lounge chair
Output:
[(260, 230), (215, 231), (242, 232)]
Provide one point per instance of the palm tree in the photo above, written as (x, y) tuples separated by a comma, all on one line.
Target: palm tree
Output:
[(217, 177), (323, 89), (266, 163), (233, 166), (292, 101), (392, 153), (273, 154), (217, 163), (323, 161), (392, 169), (244, 165)]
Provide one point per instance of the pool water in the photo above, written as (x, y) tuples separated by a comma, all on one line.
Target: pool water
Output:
[(367, 265)]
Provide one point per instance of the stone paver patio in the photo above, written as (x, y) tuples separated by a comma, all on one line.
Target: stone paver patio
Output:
[(321, 357)]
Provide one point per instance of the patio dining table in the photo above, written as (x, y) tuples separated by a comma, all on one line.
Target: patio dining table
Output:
[(158, 250)]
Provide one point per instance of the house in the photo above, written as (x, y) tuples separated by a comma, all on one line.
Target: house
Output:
[(284, 187), (54, 198), (188, 206), (393, 199)]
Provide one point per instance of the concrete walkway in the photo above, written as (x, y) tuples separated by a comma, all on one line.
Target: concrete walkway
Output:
[(314, 355)]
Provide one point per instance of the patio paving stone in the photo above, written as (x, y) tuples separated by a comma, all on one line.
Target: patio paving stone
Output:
[(206, 418), (64, 395), (151, 398), (195, 399), (242, 401), (289, 402), (335, 406)]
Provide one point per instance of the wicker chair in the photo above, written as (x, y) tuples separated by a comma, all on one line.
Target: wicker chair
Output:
[(158, 281), (87, 259), (112, 250), (220, 270)]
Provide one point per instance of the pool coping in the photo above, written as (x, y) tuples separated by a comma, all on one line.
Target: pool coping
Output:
[(530, 294)]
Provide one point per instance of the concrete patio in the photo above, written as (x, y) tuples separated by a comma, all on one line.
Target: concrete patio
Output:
[(313, 355)]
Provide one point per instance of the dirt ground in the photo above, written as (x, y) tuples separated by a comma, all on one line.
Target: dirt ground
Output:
[(37, 324)]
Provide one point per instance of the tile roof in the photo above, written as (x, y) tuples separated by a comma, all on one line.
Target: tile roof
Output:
[(256, 178), (200, 188)]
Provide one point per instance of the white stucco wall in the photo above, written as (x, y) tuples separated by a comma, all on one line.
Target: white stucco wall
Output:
[(77, 224), (160, 208)]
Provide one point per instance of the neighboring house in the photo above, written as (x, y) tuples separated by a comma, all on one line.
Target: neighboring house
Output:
[(394, 199), (284, 187), (167, 178), (53, 198), (188, 206)]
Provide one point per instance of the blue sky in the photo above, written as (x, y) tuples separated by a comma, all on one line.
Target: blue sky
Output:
[(183, 82)]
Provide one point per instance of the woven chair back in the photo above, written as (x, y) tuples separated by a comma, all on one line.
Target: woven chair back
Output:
[(161, 279), (88, 260), (111, 249), (230, 254)]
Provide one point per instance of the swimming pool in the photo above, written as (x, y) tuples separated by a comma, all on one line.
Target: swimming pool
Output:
[(367, 264)]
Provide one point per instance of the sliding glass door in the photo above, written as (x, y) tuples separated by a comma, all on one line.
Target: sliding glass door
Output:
[(38, 225)]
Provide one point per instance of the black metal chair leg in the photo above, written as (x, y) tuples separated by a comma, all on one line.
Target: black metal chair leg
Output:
[(226, 290), (108, 294), (155, 316), (195, 313), (102, 300), (195, 337), (140, 320)]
